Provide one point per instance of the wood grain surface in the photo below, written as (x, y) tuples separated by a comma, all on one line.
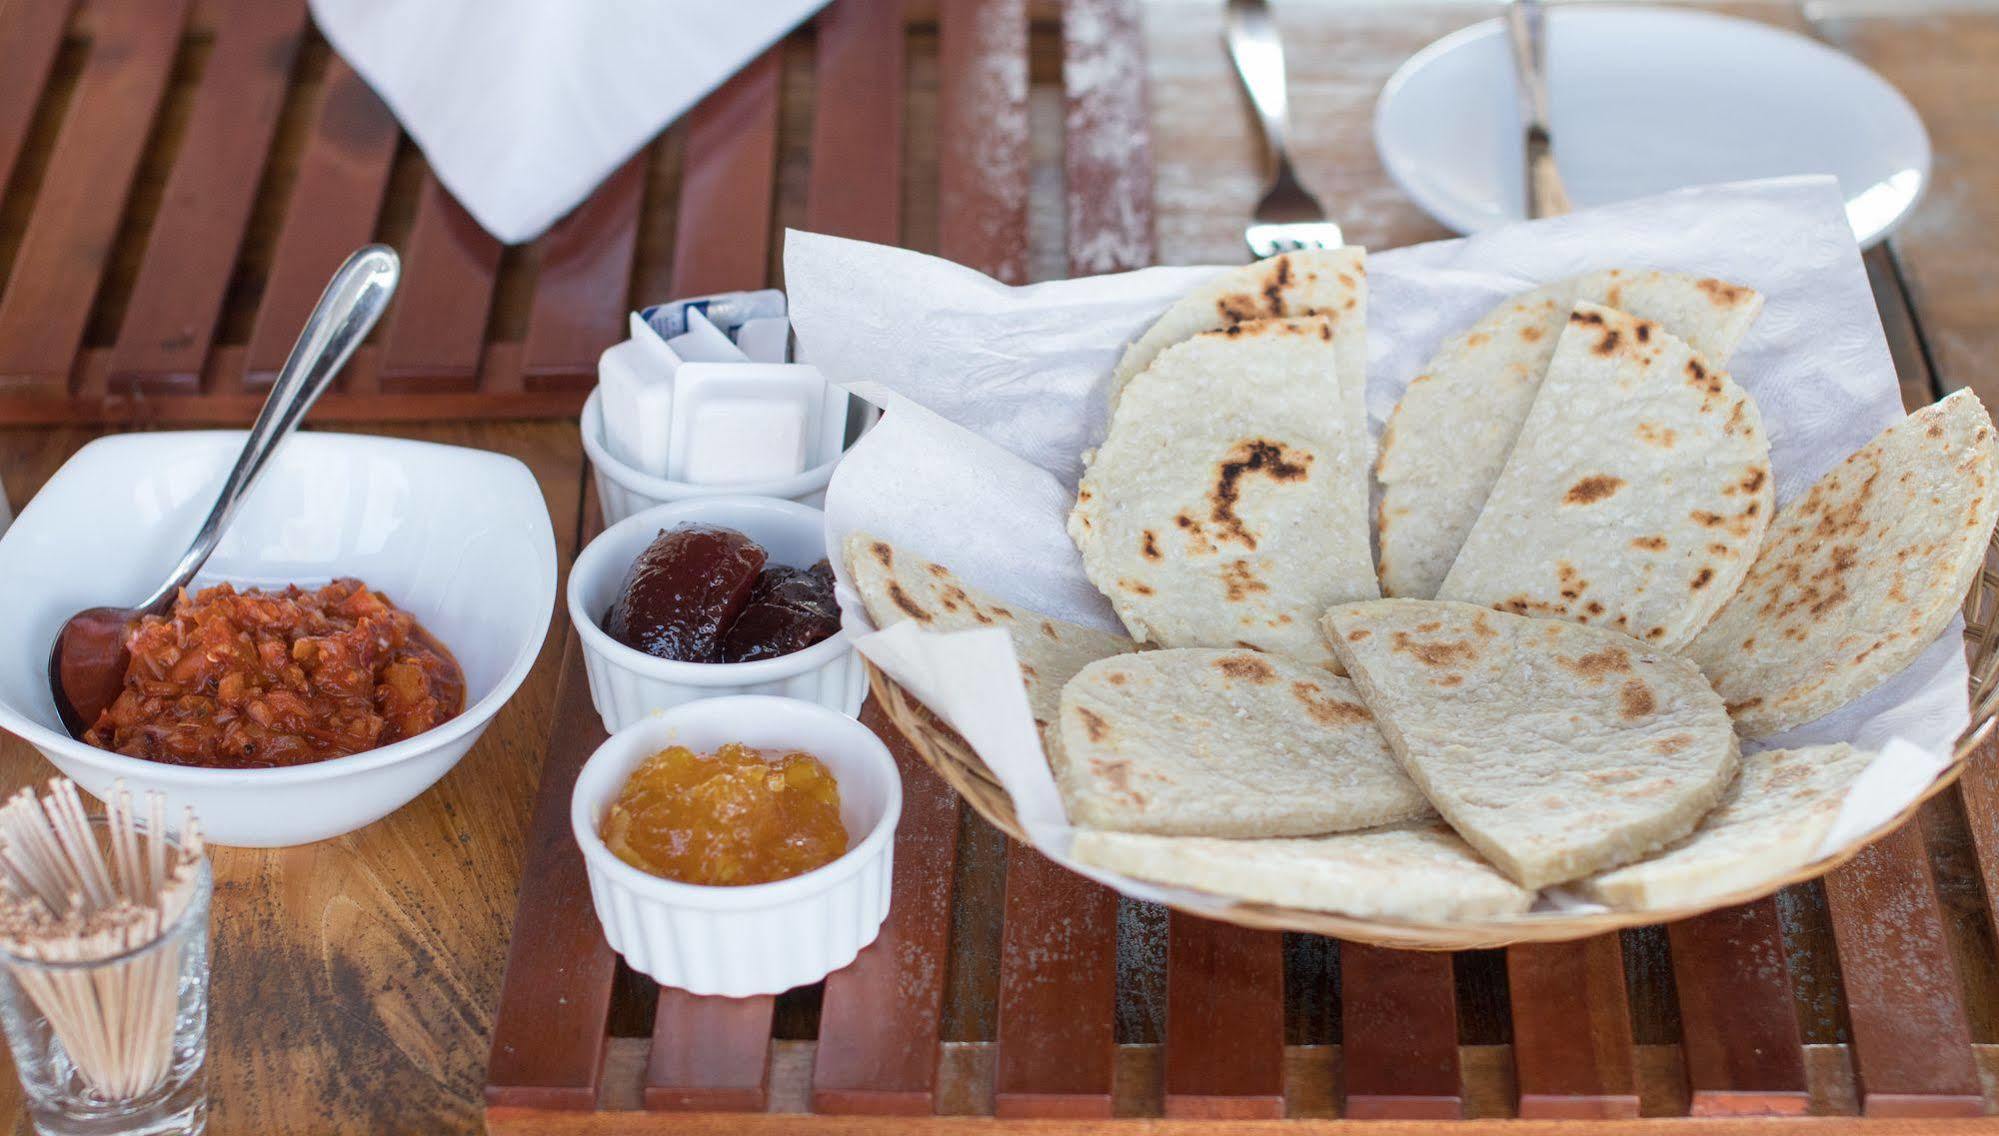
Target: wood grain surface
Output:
[(1399, 1034), (1744, 1055), (357, 980), (1572, 1045)]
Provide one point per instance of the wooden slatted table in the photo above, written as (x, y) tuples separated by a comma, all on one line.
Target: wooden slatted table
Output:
[(177, 177)]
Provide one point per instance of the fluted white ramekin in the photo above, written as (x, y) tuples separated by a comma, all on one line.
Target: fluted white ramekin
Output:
[(623, 491), (627, 684), (758, 938)]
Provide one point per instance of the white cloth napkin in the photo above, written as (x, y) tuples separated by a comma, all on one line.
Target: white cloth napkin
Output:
[(994, 391), (524, 106)]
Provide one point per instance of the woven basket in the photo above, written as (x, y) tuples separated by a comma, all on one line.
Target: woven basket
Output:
[(948, 754)]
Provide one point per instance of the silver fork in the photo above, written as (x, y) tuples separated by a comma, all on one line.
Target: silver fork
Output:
[(1288, 218)]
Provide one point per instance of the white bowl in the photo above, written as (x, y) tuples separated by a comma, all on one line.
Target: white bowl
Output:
[(758, 938), (627, 684), (1645, 100), (623, 491), (459, 538)]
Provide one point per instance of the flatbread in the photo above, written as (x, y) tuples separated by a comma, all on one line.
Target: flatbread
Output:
[(1556, 750), (1224, 507), (1418, 872), (1636, 495), (1770, 822), (1861, 574), (1315, 282), (1203, 742), (896, 585), (1456, 424)]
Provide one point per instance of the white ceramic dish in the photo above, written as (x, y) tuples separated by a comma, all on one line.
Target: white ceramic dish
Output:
[(623, 491), (759, 938), (459, 538), (1646, 100), (627, 684)]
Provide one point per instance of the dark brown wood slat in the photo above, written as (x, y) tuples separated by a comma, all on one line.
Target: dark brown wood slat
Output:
[(1107, 138), (1739, 1029), (1058, 992), (549, 1029), (69, 238), (880, 1018), (708, 1054), (855, 187), (1224, 1020), (1057, 1024), (1911, 1042), (1399, 1034), (178, 292), (878, 1022), (1572, 1030), (1979, 790), (722, 241), (438, 324), (581, 293), (335, 198), (983, 171), (29, 37)]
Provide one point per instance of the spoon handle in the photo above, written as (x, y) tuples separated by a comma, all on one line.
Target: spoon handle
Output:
[(355, 298)]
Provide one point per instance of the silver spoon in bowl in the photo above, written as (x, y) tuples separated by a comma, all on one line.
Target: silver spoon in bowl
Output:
[(88, 661)]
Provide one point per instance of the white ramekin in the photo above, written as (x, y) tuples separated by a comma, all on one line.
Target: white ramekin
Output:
[(758, 938), (627, 684), (623, 491)]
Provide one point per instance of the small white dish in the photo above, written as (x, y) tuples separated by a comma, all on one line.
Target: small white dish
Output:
[(1645, 100), (627, 685), (757, 938), (459, 538), (623, 490)]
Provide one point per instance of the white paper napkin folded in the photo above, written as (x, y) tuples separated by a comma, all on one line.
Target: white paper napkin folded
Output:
[(524, 106), (993, 392)]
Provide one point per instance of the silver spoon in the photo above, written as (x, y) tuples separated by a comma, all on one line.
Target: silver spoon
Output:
[(88, 661)]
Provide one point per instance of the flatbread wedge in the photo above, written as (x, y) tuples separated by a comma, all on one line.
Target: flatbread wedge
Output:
[(1476, 392), (1224, 507), (1330, 283), (897, 585), (1860, 574), (1554, 749), (1636, 495), (1203, 742), (1418, 872), (1769, 822)]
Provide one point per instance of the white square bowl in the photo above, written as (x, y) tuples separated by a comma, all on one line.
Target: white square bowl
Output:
[(459, 538)]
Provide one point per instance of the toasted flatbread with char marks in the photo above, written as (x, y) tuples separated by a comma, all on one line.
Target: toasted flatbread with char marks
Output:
[(1420, 872), (1328, 283), (1202, 742), (896, 585), (1861, 574), (1769, 823), (1636, 495), (1555, 749), (1226, 506), (1476, 392)]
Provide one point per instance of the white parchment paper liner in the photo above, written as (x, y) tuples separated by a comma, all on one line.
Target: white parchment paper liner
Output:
[(994, 392)]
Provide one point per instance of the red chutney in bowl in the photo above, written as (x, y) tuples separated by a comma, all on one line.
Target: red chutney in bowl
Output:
[(259, 680)]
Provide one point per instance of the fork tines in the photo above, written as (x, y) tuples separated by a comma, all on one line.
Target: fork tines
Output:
[(1266, 240)]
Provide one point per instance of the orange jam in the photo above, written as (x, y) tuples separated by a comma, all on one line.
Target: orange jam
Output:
[(740, 816)]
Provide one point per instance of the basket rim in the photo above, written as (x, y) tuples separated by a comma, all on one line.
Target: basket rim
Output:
[(954, 760)]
